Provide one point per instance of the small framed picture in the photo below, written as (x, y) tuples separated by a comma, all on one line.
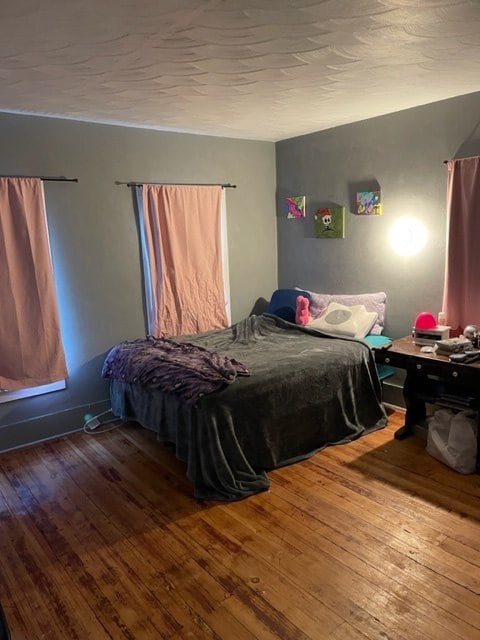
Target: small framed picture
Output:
[(330, 222), (369, 203), (295, 206)]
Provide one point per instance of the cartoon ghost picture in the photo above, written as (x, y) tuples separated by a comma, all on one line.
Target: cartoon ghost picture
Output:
[(330, 222), (327, 219)]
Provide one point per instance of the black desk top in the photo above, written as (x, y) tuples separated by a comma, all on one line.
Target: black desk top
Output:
[(405, 354)]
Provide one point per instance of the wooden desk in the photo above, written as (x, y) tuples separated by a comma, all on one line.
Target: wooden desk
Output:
[(431, 379)]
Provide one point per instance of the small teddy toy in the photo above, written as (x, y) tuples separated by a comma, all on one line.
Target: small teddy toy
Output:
[(301, 315)]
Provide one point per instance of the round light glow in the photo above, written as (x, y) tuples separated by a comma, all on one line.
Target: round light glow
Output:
[(408, 236)]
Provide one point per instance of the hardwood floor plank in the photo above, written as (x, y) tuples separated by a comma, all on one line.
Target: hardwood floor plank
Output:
[(194, 602), (252, 563), (420, 536), (102, 539), (367, 559), (347, 632), (311, 575), (140, 571), (40, 585), (389, 555)]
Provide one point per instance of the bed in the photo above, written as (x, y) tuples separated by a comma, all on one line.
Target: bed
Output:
[(297, 390)]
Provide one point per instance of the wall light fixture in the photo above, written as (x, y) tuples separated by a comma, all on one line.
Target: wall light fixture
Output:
[(408, 236)]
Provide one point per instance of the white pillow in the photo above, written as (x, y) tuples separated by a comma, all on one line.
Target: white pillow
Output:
[(372, 301), (354, 321)]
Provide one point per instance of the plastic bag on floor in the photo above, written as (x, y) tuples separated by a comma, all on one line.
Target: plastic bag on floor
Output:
[(452, 439)]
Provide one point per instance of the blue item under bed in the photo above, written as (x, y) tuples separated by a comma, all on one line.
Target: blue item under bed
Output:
[(381, 342)]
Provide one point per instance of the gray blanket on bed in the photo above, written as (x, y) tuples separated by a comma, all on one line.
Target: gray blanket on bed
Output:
[(307, 390)]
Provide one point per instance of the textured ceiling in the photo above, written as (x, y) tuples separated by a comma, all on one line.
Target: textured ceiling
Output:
[(263, 69)]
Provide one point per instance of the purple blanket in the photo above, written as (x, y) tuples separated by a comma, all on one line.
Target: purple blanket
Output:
[(182, 368)]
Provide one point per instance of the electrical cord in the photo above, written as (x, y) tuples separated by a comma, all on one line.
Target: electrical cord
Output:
[(92, 424)]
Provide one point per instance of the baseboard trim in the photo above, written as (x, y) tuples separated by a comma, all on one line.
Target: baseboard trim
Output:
[(47, 427), (394, 407)]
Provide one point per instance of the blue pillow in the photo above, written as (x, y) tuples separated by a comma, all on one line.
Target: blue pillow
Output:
[(284, 303)]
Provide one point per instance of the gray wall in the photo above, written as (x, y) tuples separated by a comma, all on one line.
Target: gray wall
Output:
[(95, 243), (403, 154)]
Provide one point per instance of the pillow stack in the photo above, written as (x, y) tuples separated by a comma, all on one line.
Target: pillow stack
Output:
[(373, 302), (351, 315), (353, 322)]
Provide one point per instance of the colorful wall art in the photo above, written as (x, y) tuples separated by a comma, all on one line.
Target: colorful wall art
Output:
[(330, 222), (369, 203), (295, 206)]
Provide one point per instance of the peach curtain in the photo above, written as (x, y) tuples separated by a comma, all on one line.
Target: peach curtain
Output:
[(183, 257), (462, 272), (31, 351)]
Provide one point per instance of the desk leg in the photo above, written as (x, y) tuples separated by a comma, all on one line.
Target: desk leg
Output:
[(415, 408)]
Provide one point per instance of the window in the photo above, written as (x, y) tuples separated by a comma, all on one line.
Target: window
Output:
[(31, 349)]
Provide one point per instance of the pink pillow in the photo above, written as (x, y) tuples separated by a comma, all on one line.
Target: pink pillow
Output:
[(302, 315)]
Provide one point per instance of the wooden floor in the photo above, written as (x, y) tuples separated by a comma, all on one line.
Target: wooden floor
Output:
[(101, 538)]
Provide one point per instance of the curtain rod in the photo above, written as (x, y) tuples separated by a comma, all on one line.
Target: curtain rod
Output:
[(178, 184), (46, 178), (466, 158)]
